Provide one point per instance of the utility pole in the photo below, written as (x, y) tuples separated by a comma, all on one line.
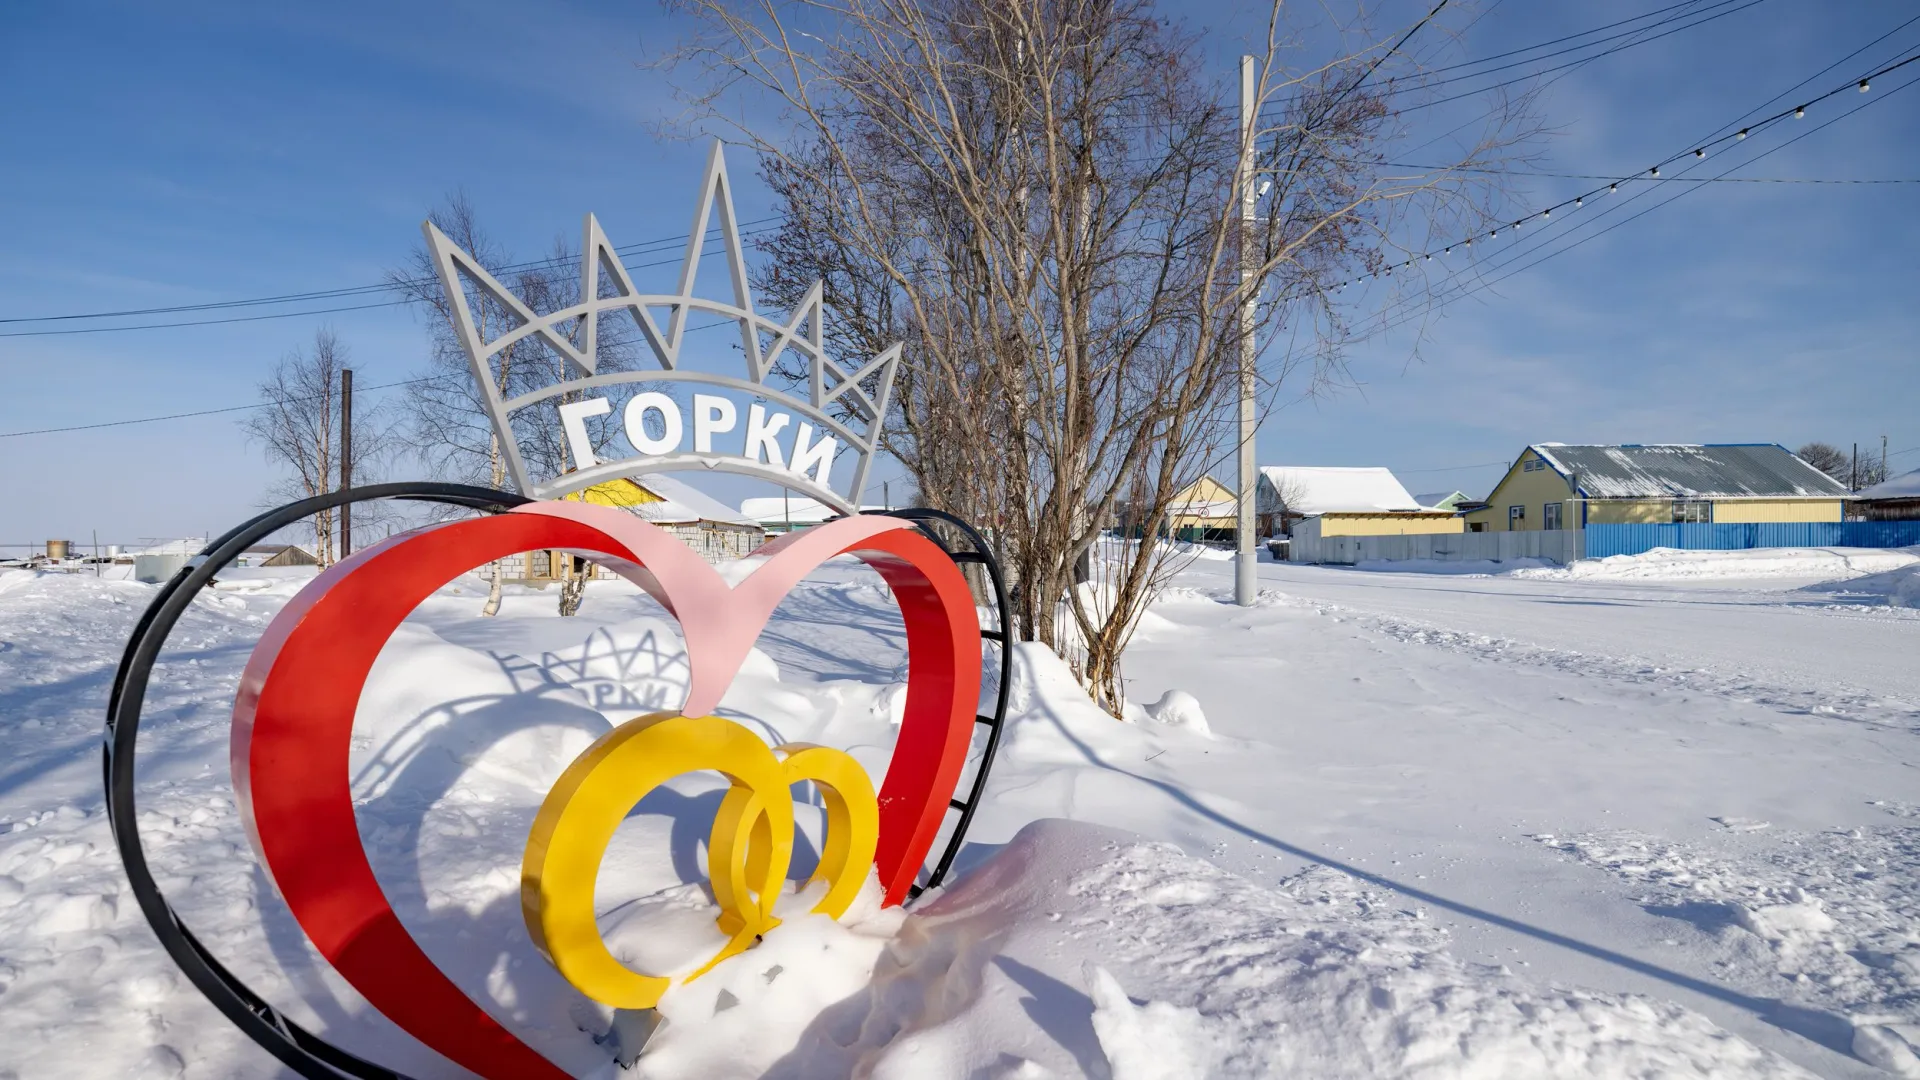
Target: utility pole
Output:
[(1853, 480), (346, 460), (1243, 577), (1883, 460)]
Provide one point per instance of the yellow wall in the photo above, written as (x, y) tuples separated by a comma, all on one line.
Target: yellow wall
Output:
[(1777, 510), (1388, 524), (1204, 490), (1532, 490), (1535, 489), (619, 492), (1630, 512)]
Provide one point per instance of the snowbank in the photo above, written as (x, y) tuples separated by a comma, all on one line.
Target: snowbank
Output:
[(1063, 949), (1893, 588), (1457, 567), (1079, 949), (1670, 564)]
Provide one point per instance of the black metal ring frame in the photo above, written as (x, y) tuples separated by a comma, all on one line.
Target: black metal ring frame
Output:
[(981, 555), (301, 1050)]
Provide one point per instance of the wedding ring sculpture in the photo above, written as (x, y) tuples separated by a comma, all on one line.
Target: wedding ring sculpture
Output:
[(292, 734), (748, 854)]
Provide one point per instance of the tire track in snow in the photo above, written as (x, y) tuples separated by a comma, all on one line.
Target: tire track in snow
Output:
[(1836, 703)]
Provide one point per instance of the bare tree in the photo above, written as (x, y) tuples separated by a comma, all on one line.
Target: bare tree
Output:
[(299, 428), (1277, 502), (1840, 465), (446, 410), (1040, 197)]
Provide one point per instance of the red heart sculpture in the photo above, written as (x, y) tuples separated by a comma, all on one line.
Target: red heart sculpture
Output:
[(293, 719)]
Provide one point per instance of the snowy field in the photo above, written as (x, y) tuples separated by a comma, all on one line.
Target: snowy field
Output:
[(1647, 818)]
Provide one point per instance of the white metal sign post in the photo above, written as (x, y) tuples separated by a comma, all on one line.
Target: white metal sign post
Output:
[(711, 431)]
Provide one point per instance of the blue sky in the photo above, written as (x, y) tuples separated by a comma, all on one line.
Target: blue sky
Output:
[(199, 153)]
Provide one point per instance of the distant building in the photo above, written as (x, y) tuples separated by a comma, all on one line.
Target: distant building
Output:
[(1897, 499), (1556, 486), (785, 513), (707, 525), (1342, 501), (1204, 510), (1442, 500), (277, 555)]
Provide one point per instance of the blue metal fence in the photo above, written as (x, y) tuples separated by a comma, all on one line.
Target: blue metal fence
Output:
[(1604, 540)]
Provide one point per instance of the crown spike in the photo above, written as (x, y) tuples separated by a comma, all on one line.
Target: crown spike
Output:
[(596, 257), (448, 261), (717, 191)]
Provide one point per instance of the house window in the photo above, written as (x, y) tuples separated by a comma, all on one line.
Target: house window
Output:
[(1692, 511), (1550, 516), (1515, 515)]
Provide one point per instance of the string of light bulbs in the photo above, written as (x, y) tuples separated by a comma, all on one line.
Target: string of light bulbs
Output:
[(1652, 172)]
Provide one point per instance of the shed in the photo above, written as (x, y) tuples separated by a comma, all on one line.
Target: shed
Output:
[(1897, 499), (278, 555), (1353, 495)]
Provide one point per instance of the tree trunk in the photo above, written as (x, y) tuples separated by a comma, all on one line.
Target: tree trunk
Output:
[(499, 473), (573, 585)]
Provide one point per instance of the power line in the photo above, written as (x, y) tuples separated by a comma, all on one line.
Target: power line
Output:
[(1722, 4), (1687, 191), (1453, 468), (1568, 37), (274, 315), (1653, 179), (1653, 172), (1461, 291), (185, 415), (642, 247), (262, 404), (1743, 6)]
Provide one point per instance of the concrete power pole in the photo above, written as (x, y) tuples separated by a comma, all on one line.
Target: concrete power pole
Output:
[(1243, 565), (346, 460)]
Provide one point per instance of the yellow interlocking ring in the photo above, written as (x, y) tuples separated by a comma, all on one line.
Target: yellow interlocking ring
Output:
[(748, 851)]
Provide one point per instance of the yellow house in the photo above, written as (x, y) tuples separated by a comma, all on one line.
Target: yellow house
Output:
[(1204, 504), (705, 524), (1557, 486)]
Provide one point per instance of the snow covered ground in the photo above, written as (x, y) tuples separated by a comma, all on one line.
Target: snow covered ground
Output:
[(1394, 825)]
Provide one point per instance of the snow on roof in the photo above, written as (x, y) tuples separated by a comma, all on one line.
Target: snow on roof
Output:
[(190, 546), (795, 508), (1904, 486), (1310, 489), (682, 503), (1438, 499), (798, 509), (1682, 470)]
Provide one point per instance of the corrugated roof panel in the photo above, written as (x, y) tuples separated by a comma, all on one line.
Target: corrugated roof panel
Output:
[(1685, 471), (1327, 490)]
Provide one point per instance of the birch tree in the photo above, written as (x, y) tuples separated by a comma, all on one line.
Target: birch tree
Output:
[(1042, 198), (298, 427), (445, 408)]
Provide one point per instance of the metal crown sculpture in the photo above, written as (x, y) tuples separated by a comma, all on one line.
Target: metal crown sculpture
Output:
[(573, 333)]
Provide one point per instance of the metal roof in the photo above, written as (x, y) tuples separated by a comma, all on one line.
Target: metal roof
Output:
[(1679, 470), (1309, 489), (1904, 486)]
